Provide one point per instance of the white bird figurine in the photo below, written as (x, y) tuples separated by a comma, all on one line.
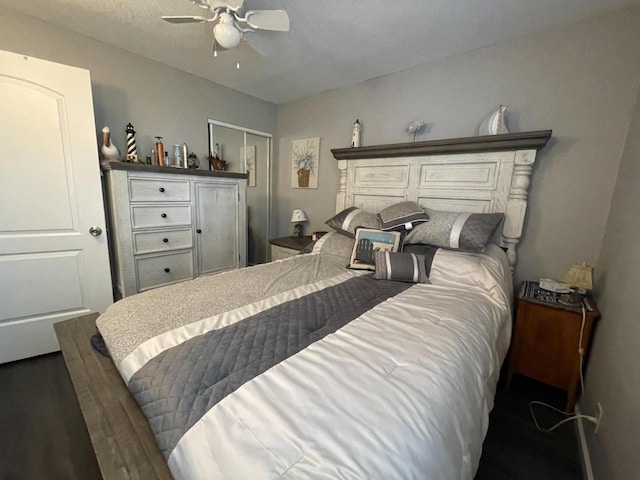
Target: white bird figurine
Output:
[(109, 150)]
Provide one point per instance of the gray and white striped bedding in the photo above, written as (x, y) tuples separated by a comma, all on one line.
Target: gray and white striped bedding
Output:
[(323, 372)]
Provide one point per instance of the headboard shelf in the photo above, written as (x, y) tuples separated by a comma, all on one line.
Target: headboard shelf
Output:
[(489, 143), (486, 174)]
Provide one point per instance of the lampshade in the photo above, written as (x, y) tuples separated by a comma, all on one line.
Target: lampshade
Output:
[(580, 276), (298, 215), (226, 33)]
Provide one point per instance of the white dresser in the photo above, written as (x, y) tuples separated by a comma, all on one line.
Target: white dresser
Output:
[(169, 225)]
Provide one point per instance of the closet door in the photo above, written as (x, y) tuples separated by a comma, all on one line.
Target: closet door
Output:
[(51, 266), (220, 208), (258, 197), (249, 151)]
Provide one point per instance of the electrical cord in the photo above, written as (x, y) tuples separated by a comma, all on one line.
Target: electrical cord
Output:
[(581, 353), (561, 422)]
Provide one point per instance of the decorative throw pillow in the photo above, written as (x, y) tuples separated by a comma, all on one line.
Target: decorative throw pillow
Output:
[(401, 267), (402, 216), (427, 251), (348, 219), (369, 241), (464, 231)]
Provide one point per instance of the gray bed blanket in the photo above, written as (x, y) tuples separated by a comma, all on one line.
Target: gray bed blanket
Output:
[(177, 387), (133, 320)]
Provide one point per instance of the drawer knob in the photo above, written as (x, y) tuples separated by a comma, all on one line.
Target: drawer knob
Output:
[(165, 240), (163, 215), (161, 189), (198, 231), (167, 270)]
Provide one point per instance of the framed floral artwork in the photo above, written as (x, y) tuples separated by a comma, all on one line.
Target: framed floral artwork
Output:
[(305, 157)]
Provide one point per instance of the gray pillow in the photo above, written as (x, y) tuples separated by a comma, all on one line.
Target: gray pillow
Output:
[(427, 251), (463, 231), (402, 216), (348, 219), (401, 267)]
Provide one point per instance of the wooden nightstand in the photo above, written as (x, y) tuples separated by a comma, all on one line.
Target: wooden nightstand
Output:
[(545, 340), (284, 247)]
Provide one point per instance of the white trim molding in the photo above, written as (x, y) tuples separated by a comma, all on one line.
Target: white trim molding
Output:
[(585, 458)]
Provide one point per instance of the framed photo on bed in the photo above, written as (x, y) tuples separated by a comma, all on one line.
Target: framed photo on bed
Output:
[(369, 240)]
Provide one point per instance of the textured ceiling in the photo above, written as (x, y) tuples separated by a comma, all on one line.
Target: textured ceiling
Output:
[(332, 43)]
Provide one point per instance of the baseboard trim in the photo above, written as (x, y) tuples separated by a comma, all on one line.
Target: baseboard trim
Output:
[(585, 458)]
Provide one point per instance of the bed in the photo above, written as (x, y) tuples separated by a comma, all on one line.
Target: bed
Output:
[(302, 368)]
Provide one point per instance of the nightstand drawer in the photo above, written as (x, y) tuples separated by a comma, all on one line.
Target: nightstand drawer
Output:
[(150, 242), (164, 269), (284, 247), (547, 341), (278, 253), (144, 216), (158, 190)]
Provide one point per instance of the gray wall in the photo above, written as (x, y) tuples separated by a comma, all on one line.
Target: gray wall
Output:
[(156, 99), (613, 376), (579, 80)]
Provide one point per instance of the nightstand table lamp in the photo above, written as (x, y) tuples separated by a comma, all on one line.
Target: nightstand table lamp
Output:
[(298, 217), (580, 277)]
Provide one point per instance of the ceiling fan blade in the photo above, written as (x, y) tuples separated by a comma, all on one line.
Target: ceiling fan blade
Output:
[(184, 19), (213, 4), (234, 5), (276, 20), (257, 44), (200, 3)]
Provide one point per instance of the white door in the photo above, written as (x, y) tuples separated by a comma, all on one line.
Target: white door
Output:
[(51, 267)]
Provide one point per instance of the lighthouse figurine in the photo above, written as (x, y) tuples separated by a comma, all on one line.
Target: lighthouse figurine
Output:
[(355, 136), (132, 151)]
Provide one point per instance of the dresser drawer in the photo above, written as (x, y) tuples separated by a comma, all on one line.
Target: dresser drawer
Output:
[(164, 269), (145, 216), (150, 242), (158, 190)]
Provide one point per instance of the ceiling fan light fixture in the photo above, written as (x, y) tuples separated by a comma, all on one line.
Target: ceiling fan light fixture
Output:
[(226, 34), (229, 24)]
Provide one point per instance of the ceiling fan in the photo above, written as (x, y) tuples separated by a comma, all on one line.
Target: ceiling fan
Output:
[(231, 22)]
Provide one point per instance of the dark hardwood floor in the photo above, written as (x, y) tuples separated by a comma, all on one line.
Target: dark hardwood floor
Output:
[(43, 435), (42, 432), (515, 449)]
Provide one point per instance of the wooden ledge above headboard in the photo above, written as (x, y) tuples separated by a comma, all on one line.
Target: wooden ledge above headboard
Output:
[(490, 143)]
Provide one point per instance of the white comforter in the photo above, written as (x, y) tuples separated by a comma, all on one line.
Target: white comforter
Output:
[(404, 391)]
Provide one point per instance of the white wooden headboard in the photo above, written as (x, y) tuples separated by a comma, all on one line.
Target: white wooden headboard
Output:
[(473, 174)]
